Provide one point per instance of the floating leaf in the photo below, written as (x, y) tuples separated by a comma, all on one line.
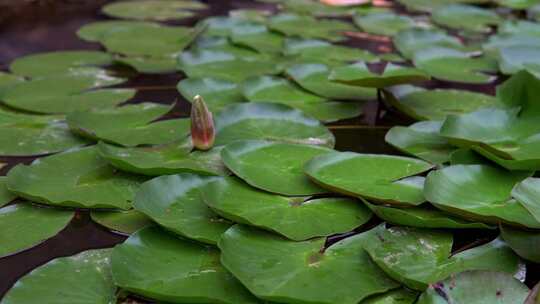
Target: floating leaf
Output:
[(384, 178), (5, 195), (7, 79), (160, 10), (279, 90), (309, 27), (297, 218), (192, 272), (269, 121), (96, 31), (429, 5), (82, 278), (217, 93), (386, 24), (319, 50), (316, 8), (478, 192), (150, 65), (527, 192), (314, 78), (436, 104), (514, 58), (125, 222), (24, 226), (497, 287), (174, 202), (258, 37), (410, 41), (130, 125), (358, 74), (282, 164), (524, 243), (517, 4), (418, 257), (78, 178), (466, 17), (397, 296), (264, 262)]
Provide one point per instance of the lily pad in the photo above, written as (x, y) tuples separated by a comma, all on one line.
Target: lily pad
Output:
[(316, 50), (479, 192), (96, 31), (47, 64), (397, 296), (175, 203), (517, 4), (422, 216), (282, 164), (436, 104), (297, 218), (385, 24), (524, 243), (150, 65), (497, 287), (130, 125), (527, 192), (78, 178), (418, 257), (7, 79), (430, 5), (159, 10), (466, 17), (217, 93), (280, 90), (83, 278), (383, 178), (515, 58), (124, 222), (5, 195), (410, 41), (269, 121), (277, 269), (314, 78), (309, 27), (176, 157), (257, 36), (24, 226), (25, 135), (358, 74), (192, 273)]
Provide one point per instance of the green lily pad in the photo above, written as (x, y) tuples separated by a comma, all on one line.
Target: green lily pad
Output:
[(24, 226), (315, 8), (65, 93), (282, 164), (175, 203), (159, 10), (83, 278), (410, 41), (313, 77), (130, 125), (478, 192), (125, 222), (418, 257), (297, 218), (269, 121), (277, 269), (397, 296), (385, 24), (176, 157), (78, 178), (316, 50), (514, 58), (383, 178), (192, 272), (280, 90), (465, 156), (96, 31), (25, 135), (309, 27), (497, 287), (527, 192), (258, 37), (422, 216), (5, 195), (422, 140), (524, 243), (7, 79), (358, 74), (436, 104), (217, 93), (430, 5), (466, 17), (222, 26), (150, 65)]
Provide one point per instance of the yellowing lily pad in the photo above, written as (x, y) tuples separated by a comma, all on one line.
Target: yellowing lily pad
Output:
[(159, 10)]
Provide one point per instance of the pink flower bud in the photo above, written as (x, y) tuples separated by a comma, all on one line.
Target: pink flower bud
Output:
[(202, 125)]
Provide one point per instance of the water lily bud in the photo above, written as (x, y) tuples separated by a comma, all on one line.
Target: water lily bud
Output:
[(202, 125)]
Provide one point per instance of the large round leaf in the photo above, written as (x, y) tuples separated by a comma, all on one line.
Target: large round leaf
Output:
[(478, 192), (47, 64), (315, 50), (124, 222), (524, 243), (269, 121), (258, 37), (96, 31), (397, 296), (175, 203), (273, 166), (309, 27), (176, 157), (129, 125), (150, 65), (160, 10), (24, 135), (314, 78), (297, 218), (79, 178), (418, 257), (409, 41), (217, 93), (387, 24), (527, 192), (496, 287), (358, 74), (277, 269), (24, 226), (84, 278), (7, 80), (466, 17), (5, 195), (383, 178), (157, 265)]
